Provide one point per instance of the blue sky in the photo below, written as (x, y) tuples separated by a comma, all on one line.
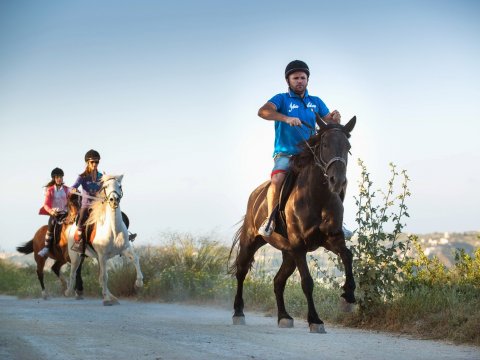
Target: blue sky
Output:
[(169, 94)]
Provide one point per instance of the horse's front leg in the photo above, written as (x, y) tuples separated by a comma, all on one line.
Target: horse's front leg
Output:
[(132, 256), (336, 244), (108, 298), (56, 269), (314, 322)]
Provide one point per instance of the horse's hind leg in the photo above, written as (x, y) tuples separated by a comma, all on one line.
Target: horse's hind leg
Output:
[(316, 325), (243, 262), (286, 269), (130, 254), (79, 280), (40, 265)]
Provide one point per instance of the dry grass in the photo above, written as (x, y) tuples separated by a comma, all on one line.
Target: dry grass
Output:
[(194, 270)]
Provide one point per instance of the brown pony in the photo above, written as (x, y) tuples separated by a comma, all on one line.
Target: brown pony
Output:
[(58, 250), (313, 217)]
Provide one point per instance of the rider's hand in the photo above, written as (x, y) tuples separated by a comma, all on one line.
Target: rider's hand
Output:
[(293, 121), (336, 117)]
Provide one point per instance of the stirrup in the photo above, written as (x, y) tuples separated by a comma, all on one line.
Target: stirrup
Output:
[(77, 247), (131, 236)]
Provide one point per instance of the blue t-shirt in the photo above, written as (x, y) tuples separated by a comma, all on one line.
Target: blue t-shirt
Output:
[(290, 104), (89, 187)]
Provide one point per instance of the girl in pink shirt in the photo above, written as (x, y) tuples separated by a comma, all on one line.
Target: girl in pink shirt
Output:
[(55, 205)]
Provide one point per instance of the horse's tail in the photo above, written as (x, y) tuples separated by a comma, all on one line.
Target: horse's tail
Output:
[(239, 235), (26, 248)]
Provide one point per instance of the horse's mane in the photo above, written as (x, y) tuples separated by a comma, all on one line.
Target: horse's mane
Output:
[(97, 213), (305, 156)]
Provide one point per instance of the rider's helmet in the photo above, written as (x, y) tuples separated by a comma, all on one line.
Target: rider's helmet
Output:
[(296, 65), (92, 155), (57, 172)]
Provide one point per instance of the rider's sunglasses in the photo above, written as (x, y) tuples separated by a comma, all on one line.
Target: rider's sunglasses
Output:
[(93, 161)]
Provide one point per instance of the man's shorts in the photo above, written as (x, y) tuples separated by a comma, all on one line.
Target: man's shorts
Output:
[(281, 164)]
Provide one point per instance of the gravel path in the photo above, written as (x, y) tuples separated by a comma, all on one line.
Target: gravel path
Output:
[(63, 328)]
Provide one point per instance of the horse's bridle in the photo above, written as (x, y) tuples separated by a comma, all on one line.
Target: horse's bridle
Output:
[(107, 196), (320, 162), (325, 165)]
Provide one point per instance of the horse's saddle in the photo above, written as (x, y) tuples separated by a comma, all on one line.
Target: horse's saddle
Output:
[(57, 227), (279, 211)]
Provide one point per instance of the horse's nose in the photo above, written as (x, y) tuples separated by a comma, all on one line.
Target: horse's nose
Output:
[(337, 182), (113, 201)]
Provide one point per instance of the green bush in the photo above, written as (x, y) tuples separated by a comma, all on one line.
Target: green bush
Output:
[(379, 255)]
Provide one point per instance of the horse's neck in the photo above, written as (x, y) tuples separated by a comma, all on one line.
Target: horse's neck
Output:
[(113, 219), (313, 182)]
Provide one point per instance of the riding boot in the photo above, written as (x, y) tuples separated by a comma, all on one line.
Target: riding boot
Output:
[(48, 240), (266, 229), (44, 252)]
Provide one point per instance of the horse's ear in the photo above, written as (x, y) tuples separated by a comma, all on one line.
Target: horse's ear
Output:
[(119, 178), (350, 125), (320, 122)]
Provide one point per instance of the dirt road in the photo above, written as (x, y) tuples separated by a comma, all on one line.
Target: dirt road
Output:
[(68, 329)]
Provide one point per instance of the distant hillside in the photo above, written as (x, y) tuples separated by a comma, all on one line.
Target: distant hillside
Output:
[(18, 259), (268, 259), (443, 245)]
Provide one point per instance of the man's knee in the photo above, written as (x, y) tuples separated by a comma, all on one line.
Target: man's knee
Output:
[(277, 179)]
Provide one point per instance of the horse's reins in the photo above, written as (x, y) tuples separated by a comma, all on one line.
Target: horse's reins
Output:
[(322, 164), (120, 195)]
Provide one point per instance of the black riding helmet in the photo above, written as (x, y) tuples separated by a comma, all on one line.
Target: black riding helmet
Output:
[(296, 65), (92, 155), (57, 172)]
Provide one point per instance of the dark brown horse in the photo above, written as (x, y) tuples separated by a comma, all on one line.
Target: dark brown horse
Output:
[(314, 217), (58, 250)]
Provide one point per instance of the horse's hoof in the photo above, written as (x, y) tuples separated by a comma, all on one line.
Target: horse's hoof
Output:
[(317, 328), (45, 295), (68, 293), (79, 297), (238, 320), (346, 306), (107, 302), (139, 283), (115, 301), (285, 323)]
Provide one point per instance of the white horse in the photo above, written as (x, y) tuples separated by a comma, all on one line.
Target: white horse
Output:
[(111, 237)]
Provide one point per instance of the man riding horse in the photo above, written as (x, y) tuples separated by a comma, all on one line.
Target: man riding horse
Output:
[(294, 116)]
